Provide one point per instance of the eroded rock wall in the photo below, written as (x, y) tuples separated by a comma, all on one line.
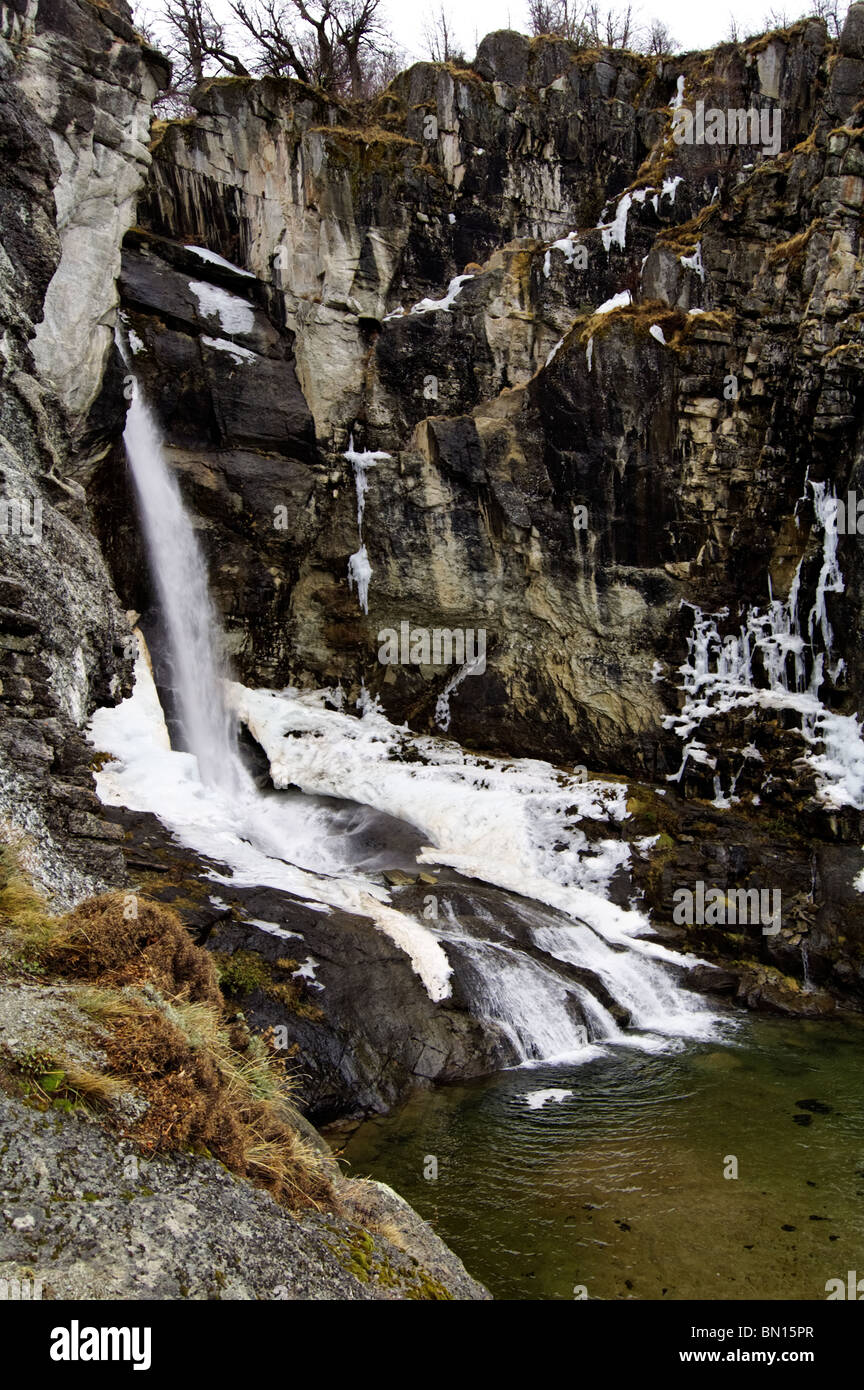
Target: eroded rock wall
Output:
[(564, 481), (73, 80)]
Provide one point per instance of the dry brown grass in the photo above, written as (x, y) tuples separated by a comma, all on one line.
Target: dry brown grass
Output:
[(793, 249), (210, 1086), (102, 940), (205, 1097)]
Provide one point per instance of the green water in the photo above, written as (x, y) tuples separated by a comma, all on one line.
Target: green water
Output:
[(621, 1189)]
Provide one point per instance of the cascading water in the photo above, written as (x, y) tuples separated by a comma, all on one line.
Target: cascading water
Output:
[(180, 574), (531, 1005), (541, 1011)]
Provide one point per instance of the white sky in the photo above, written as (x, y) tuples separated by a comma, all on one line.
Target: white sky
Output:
[(693, 24)]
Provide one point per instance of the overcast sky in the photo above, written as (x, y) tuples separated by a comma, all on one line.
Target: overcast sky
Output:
[(693, 24)]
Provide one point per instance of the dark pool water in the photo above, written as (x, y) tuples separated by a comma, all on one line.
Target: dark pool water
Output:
[(620, 1187)]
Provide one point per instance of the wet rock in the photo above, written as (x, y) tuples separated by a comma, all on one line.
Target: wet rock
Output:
[(765, 988), (709, 979)]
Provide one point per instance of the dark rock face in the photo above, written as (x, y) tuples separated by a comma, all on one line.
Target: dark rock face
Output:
[(371, 1032)]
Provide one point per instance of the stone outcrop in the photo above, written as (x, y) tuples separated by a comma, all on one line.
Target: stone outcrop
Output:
[(92, 81), (62, 631), (85, 1218)]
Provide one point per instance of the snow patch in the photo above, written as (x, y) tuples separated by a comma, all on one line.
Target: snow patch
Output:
[(235, 315), (211, 256), (694, 262), (618, 301), (240, 354), (430, 306)]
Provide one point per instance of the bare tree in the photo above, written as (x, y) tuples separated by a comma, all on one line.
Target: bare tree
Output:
[(439, 36), (329, 43), (614, 29), (566, 19), (359, 26), (833, 12), (199, 36), (279, 48), (659, 42), (585, 23), (382, 64)]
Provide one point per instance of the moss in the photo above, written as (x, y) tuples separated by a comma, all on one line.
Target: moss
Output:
[(428, 1289), (684, 236), (641, 317), (763, 41), (356, 1255), (855, 351), (242, 972), (360, 137), (160, 128), (51, 1081)]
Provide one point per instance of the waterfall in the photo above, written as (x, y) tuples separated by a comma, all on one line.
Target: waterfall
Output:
[(539, 1011), (805, 965), (180, 575), (543, 1013), (653, 998), (534, 1008)]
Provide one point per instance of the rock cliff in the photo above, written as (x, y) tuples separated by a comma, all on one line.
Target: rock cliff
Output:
[(491, 353), (564, 482)]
